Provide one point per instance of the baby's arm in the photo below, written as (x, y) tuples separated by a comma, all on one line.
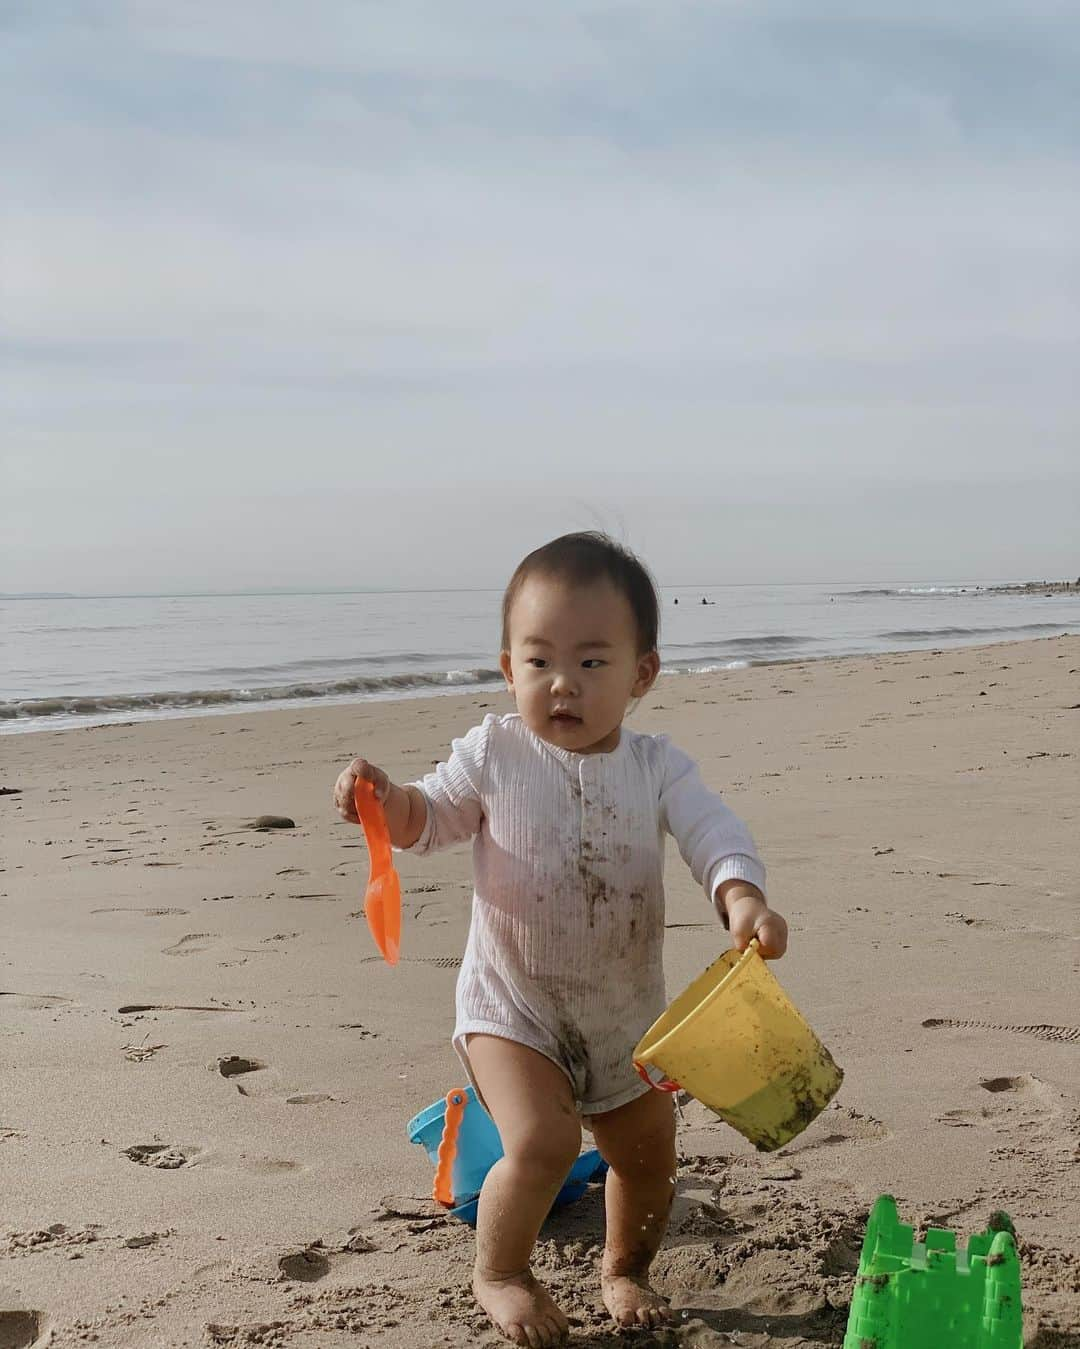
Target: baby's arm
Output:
[(718, 848), (404, 807), (444, 808)]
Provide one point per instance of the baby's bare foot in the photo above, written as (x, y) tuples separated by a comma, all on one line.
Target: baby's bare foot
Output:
[(521, 1308), (632, 1302)]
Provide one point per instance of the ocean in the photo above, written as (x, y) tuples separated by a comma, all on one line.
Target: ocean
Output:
[(68, 661)]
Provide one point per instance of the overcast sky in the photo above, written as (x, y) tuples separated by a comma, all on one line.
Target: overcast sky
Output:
[(386, 294)]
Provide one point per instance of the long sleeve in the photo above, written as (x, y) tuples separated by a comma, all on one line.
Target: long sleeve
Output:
[(713, 841), (453, 793)]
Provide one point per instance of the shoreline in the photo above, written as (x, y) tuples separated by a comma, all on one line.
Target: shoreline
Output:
[(916, 812), (224, 706), (1006, 586)]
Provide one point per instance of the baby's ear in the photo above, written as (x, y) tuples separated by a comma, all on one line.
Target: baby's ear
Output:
[(648, 668), (505, 667)]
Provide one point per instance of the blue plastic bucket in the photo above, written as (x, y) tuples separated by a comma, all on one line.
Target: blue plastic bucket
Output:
[(479, 1147)]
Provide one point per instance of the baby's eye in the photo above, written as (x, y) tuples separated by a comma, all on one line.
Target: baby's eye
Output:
[(537, 662), (593, 663)]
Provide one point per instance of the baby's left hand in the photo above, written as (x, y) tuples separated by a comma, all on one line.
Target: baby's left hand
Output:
[(749, 917)]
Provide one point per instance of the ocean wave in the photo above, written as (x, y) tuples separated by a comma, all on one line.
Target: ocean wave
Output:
[(927, 591), (707, 666), (714, 667), (764, 642), (903, 634), (88, 705), (286, 669), (97, 627)]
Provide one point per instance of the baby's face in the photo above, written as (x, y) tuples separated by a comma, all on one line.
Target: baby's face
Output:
[(573, 663)]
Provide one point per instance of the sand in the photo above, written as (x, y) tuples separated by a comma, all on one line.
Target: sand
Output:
[(205, 1073)]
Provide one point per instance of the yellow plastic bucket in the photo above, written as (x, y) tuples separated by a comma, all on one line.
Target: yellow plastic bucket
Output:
[(737, 1044)]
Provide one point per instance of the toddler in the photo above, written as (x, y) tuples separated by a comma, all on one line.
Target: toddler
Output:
[(563, 969)]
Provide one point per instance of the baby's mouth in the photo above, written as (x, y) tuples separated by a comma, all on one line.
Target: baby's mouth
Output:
[(565, 719)]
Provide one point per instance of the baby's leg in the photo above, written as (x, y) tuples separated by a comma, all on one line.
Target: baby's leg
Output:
[(638, 1142), (531, 1102)]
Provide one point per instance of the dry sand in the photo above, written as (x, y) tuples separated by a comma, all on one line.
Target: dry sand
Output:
[(918, 813)]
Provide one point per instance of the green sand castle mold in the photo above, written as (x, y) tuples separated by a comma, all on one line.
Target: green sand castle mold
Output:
[(931, 1295)]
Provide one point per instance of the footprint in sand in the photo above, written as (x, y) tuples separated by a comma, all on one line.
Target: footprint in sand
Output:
[(1025, 1083), (22, 1330), (306, 1266), (439, 962), (267, 1166), (162, 1156), (254, 1164), (50, 1238), (150, 913), (176, 1157), (191, 945), (1061, 1034), (314, 1262), (839, 1124), (135, 1008), (841, 1255), (748, 1304), (33, 1002), (1018, 930), (238, 1065), (1010, 1104), (232, 1065)]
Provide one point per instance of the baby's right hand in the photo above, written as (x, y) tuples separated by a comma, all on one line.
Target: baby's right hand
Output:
[(345, 787)]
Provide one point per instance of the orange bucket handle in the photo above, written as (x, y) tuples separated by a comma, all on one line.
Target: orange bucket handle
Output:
[(442, 1191), (665, 1085)]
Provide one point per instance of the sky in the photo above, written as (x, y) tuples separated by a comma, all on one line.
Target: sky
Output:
[(387, 294)]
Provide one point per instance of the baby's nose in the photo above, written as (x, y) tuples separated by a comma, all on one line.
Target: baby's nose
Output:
[(562, 682)]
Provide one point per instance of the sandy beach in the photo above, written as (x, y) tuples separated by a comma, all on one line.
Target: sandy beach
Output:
[(206, 1071)]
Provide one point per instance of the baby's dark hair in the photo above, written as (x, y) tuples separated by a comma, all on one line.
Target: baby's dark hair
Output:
[(582, 559)]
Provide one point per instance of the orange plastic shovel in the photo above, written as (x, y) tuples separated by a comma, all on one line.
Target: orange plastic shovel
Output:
[(382, 903)]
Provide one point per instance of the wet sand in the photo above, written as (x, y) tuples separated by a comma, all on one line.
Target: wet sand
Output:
[(206, 1072)]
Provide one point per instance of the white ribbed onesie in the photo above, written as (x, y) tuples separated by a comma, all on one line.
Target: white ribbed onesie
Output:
[(565, 948)]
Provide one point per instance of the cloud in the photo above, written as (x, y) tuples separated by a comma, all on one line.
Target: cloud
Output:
[(435, 238)]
